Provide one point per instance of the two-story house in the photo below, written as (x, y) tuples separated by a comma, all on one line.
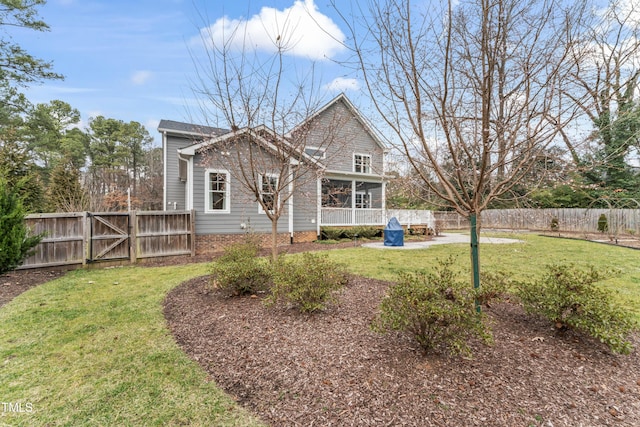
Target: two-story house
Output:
[(343, 185)]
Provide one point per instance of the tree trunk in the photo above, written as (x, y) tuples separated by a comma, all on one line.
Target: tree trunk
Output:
[(475, 256), (274, 240)]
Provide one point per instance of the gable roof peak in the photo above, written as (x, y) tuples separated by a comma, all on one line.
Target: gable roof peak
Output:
[(342, 97)]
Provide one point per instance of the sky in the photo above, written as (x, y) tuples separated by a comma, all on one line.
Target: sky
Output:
[(133, 59)]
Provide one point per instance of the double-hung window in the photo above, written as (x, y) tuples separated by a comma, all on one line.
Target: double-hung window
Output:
[(217, 194), (268, 187), (363, 200), (362, 163)]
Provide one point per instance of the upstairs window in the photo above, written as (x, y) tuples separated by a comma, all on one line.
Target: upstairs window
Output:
[(268, 187), (362, 163), (217, 191), (314, 152), (182, 170)]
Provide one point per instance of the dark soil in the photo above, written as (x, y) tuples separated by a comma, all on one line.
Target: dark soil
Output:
[(16, 282), (330, 369)]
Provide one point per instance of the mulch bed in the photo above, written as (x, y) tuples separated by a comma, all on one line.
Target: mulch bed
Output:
[(330, 369)]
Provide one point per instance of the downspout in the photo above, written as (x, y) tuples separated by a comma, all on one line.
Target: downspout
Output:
[(189, 190), (164, 170)]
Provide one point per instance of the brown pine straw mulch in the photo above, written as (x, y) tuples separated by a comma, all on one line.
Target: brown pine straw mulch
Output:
[(330, 369)]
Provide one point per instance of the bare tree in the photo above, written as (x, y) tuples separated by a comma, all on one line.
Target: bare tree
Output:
[(605, 88), (470, 89), (267, 107)]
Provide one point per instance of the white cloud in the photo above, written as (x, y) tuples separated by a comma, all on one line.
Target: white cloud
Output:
[(151, 125), (340, 84), (94, 113), (301, 29), (140, 77)]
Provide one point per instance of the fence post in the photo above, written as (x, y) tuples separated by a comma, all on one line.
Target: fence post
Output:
[(133, 244), (86, 241)]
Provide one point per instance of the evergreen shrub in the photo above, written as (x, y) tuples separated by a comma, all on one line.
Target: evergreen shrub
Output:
[(307, 283), (239, 271), (571, 298), (436, 308), (16, 241)]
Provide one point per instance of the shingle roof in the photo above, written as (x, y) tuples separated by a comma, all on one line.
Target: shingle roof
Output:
[(172, 126)]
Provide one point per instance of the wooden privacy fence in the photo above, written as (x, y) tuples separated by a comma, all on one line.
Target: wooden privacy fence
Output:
[(620, 221), (87, 237)]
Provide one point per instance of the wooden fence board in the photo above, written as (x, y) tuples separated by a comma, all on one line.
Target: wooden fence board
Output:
[(620, 221), (81, 237)]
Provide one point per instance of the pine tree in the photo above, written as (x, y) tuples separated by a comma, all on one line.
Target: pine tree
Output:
[(65, 193)]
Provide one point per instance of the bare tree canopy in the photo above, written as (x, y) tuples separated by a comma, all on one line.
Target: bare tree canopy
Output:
[(605, 89), (470, 89)]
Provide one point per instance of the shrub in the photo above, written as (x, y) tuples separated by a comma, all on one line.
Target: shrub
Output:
[(350, 232), (15, 242), (494, 286), (365, 232), (570, 298), (239, 270), (331, 233), (308, 283), (603, 224), (436, 308)]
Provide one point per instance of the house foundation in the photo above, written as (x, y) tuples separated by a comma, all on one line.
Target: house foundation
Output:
[(211, 243)]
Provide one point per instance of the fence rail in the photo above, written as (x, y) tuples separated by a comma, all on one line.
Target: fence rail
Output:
[(619, 221), (79, 238)]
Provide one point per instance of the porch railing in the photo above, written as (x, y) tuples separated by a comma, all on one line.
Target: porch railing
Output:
[(350, 217)]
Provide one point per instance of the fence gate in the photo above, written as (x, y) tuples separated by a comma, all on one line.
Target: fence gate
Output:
[(109, 236)]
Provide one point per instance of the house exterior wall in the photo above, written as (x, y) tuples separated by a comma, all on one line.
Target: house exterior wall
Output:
[(305, 203), (349, 137), (174, 189), (244, 208)]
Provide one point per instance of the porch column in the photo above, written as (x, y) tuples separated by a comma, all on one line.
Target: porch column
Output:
[(318, 204), (353, 202), (384, 201), (290, 205)]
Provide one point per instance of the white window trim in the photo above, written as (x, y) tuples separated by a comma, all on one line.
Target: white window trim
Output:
[(366, 195), (363, 156), (207, 192), (270, 175)]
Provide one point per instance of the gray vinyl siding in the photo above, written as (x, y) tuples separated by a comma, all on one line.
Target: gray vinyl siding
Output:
[(243, 207), (351, 137), (305, 204), (175, 189)]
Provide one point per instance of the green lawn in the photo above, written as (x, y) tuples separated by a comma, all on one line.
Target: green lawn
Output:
[(92, 348), (524, 260)]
